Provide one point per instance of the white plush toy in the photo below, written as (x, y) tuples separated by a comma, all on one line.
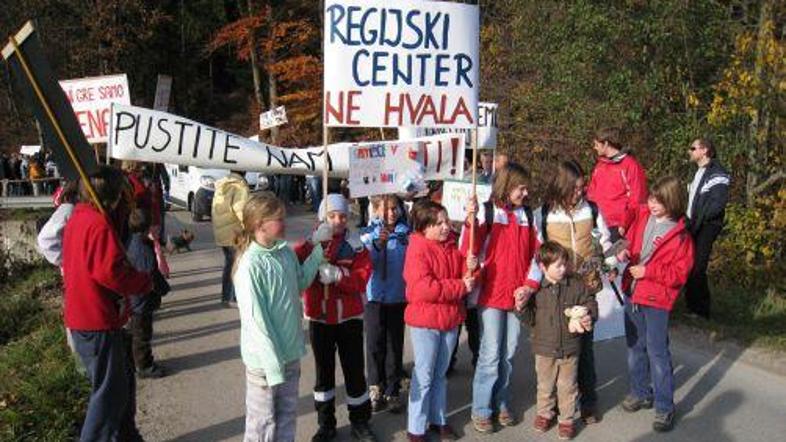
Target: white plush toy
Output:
[(575, 314)]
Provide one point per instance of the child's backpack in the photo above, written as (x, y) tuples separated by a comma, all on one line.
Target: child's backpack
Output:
[(488, 209)]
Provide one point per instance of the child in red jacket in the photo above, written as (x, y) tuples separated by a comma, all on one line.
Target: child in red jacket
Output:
[(505, 242), (434, 271), (661, 257), (98, 280), (335, 321)]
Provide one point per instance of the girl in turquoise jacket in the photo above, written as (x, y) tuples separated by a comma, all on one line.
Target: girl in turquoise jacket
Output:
[(268, 280)]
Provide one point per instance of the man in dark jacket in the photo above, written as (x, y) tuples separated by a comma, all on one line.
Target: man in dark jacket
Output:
[(708, 195)]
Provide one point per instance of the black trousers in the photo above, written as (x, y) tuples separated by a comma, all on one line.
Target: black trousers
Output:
[(588, 380), (384, 324), (697, 288), (472, 325), (142, 335), (347, 337)]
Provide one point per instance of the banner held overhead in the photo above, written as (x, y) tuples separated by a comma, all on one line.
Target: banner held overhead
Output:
[(414, 63)]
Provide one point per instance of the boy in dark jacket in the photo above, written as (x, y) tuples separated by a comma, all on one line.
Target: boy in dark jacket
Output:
[(556, 348)]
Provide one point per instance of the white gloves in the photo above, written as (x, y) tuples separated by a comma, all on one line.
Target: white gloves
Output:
[(330, 274), (323, 233)]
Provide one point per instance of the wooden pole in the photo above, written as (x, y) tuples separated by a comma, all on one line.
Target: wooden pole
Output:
[(384, 223), (56, 125), (325, 141), (474, 135)]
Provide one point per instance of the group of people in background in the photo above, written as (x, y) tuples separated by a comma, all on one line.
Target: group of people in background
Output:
[(24, 175), (505, 265)]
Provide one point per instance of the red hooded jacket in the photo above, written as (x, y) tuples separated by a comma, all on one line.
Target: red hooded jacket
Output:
[(507, 253), (618, 186), (97, 276), (668, 267), (345, 298), (433, 272)]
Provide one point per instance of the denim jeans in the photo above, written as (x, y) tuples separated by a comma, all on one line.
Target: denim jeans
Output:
[(227, 288), (112, 405), (499, 338), (649, 358), (428, 389)]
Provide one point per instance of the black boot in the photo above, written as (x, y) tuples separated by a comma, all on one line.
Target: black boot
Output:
[(324, 434), (362, 432)]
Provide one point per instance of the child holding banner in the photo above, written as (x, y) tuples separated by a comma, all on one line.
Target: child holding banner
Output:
[(386, 240), (506, 241), (336, 321), (268, 279), (437, 283)]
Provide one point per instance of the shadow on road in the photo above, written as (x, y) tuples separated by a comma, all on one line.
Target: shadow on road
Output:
[(195, 333), (198, 360)]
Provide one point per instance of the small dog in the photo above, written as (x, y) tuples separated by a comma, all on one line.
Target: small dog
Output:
[(180, 243)]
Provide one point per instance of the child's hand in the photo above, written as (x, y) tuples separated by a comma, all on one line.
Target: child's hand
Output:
[(612, 274), (384, 235), (472, 207), (637, 272), (469, 283), (522, 295), (472, 263), (330, 274), (323, 233), (586, 322)]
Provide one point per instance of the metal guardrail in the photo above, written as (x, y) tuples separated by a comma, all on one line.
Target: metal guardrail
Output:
[(26, 202)]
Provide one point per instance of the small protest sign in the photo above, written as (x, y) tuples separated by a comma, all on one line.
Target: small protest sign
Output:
[(273, 118), (392, 167), (404, 63), (455, 195), (92, 99)]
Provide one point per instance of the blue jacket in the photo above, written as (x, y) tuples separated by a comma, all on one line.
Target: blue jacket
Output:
[(391, 289)]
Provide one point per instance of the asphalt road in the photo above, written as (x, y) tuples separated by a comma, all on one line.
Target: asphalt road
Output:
[(719, 398)]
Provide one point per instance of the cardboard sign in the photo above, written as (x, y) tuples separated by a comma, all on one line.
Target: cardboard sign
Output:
[(92, 100), (163, 92), (455, 195), (392, 167), (401, 64), (142, 134), (487, 129), (272, 118)]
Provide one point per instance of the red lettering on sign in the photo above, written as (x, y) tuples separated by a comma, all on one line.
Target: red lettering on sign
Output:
[(342, 112), (403, 110)]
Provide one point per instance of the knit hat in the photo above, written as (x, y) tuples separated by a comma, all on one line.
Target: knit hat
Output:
[(335, 203)]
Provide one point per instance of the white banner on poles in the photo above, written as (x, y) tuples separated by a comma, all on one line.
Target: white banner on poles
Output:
[(401, 64), (92, 99), (141, 134), (487, 129), (392, 167)]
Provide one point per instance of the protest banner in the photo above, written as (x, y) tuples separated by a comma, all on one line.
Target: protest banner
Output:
[(455, 195), (414, 63), (392, 167), (92, 100), (273, 118), (487, 129), (36, 81), (163, 92), (141, 134)]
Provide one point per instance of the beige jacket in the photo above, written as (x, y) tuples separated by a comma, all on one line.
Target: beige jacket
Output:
[(227, 212)]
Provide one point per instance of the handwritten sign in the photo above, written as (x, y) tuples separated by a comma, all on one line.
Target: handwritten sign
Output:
[(141, 134), (272, 118), (92, 100), (404, 63), (391, 167), (455, 195)]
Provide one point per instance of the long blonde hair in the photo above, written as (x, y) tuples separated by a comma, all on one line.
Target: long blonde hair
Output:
[(259, 208)]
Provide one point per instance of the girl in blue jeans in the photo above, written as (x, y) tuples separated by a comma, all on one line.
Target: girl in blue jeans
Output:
[(505, 241), (437, 283)]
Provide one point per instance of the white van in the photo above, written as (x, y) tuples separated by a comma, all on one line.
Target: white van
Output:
[(192, 187)]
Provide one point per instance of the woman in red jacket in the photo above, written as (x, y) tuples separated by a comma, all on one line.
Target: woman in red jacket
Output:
[(505, 242), (661, 257), (434, 271)]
